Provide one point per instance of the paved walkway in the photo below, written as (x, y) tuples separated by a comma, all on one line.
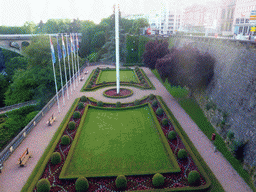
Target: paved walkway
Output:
[(14, 177)]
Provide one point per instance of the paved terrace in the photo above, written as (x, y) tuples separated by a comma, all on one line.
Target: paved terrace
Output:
[(14, 177)]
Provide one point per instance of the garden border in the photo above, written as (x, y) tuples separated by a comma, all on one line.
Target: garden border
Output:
[(117, 97)]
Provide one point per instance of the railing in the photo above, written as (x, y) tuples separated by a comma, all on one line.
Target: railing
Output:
[(7, 151), (15, 106)]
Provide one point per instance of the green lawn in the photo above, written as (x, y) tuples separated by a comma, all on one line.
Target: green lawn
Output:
[(110, 76), (113, 142)]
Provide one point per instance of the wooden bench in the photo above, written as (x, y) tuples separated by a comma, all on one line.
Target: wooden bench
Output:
[(85, 72), (82, 78), (51, 120), (24, 158)]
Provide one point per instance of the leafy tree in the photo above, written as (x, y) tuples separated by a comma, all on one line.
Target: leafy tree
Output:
[(29, 27), (137, 25), (3, 88), (14, 64)]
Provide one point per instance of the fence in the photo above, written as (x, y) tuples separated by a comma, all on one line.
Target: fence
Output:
[(7, 151)]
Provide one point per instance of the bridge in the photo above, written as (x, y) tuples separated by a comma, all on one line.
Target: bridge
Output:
[(15, 42)]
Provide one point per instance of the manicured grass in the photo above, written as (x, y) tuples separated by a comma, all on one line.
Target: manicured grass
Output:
[(110, 76), (113, 142), (195, 112)]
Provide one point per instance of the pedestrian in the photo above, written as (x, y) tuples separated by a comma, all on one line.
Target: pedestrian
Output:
[(213, 139)]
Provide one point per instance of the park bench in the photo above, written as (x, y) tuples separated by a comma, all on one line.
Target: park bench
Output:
[(51, 120), (86, 72), (82, 78), (24, 158)]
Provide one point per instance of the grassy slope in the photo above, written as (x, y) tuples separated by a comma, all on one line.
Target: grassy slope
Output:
[(130, 145), (110, 76), (196, 113)]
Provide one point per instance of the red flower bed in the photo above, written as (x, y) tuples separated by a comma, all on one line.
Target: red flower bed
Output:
[(122, 92)]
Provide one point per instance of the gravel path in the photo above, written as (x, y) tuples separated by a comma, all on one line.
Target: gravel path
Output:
[(13, 177)]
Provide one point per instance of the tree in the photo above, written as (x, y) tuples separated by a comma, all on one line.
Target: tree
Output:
[(3, 88), (14, 64), (138, 24)]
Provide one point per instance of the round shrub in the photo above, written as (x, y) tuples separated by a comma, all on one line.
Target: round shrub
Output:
[(55, 158), (164, 121), (76, 115), (100, 103), (80, 106), (118, 104), (159, 111), (83, 98), (104, 82), (158, 180), (182, 154), (172, 135), (193, 177), (121, 182), (65, 140), (89, 86), (151, 96), (71, 125), (142, 81), (131, 82), (136, 102), (154, 103), (43, 185), (81, 184)]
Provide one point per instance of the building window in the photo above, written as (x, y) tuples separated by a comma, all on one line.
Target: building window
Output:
[(223, 13), (240, 30), (232, 13), (246, 20), (237, 21), (242, 20)]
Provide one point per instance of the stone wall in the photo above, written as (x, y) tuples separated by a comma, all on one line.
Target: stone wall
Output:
[(233, 88)]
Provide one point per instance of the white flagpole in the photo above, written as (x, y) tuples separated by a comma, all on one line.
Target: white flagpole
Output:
[(64, 60), (75, 58), (55, 78), (117, 48), (71, 47), (70, 83), (77, 45), (61, 76)]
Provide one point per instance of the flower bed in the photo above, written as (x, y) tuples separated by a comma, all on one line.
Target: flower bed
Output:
[(123, 93)]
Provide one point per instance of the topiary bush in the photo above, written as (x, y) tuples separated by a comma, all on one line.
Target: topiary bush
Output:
[(81, 184), (172, 135), (158, 180), (230, 135), (151, 96), (182, 154), (142, 81), (71, 125), (80, 106), (65, 140), (43, 185), (136, 102), (193, 177), (131, 82), (100, 103), (164, 122), (55, 158), (118, 104), (159, 111), (89, 86), (154, 103), (121, 182), (76, 115), (83, 99)]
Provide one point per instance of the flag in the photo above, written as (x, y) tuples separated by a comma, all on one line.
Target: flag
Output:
[(63, 46), (71, 43), (59, 50), (77, 42), (69, 50), (52, 50)]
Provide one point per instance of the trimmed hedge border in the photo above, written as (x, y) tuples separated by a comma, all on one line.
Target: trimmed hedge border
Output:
[(118, 97)]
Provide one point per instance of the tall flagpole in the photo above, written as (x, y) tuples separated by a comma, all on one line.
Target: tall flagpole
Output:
[(71, 46), (74, 48), (77, 47), (64, 60), (59, 56), (117, 48), (68, 50), (53, 61)]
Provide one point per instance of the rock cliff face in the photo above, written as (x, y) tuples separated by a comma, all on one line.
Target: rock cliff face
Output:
[(2, 66), (233, 88)]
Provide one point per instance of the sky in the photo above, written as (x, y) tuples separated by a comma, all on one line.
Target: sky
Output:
[(17, 12)]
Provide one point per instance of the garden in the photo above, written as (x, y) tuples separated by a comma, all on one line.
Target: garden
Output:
[(121, 146)]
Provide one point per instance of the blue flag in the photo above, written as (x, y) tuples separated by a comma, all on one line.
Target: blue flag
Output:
[(59, 50), (63, 46), (69, 50), (52, 50)]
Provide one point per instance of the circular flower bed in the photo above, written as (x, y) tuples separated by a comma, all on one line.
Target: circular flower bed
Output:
[(123, 93)]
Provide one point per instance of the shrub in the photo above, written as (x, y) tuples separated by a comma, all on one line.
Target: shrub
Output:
[(81, 184), (55, 158), (172, 135), (100, 104), (104, 82), (182, 154), (43, 185), (158, 180), (159, 111), (65, 140), (136, 102), (71, 125), (83, 98), (164, 121), (142, 81), (76, 115), (118, 104), (121, 182), (131, 82), (80, 106), (151, 96), (154, 103), (193, 177), (238, 148), (89, 86), (230, 135)]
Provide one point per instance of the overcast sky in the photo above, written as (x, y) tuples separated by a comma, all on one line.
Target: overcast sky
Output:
[(17, 12)]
